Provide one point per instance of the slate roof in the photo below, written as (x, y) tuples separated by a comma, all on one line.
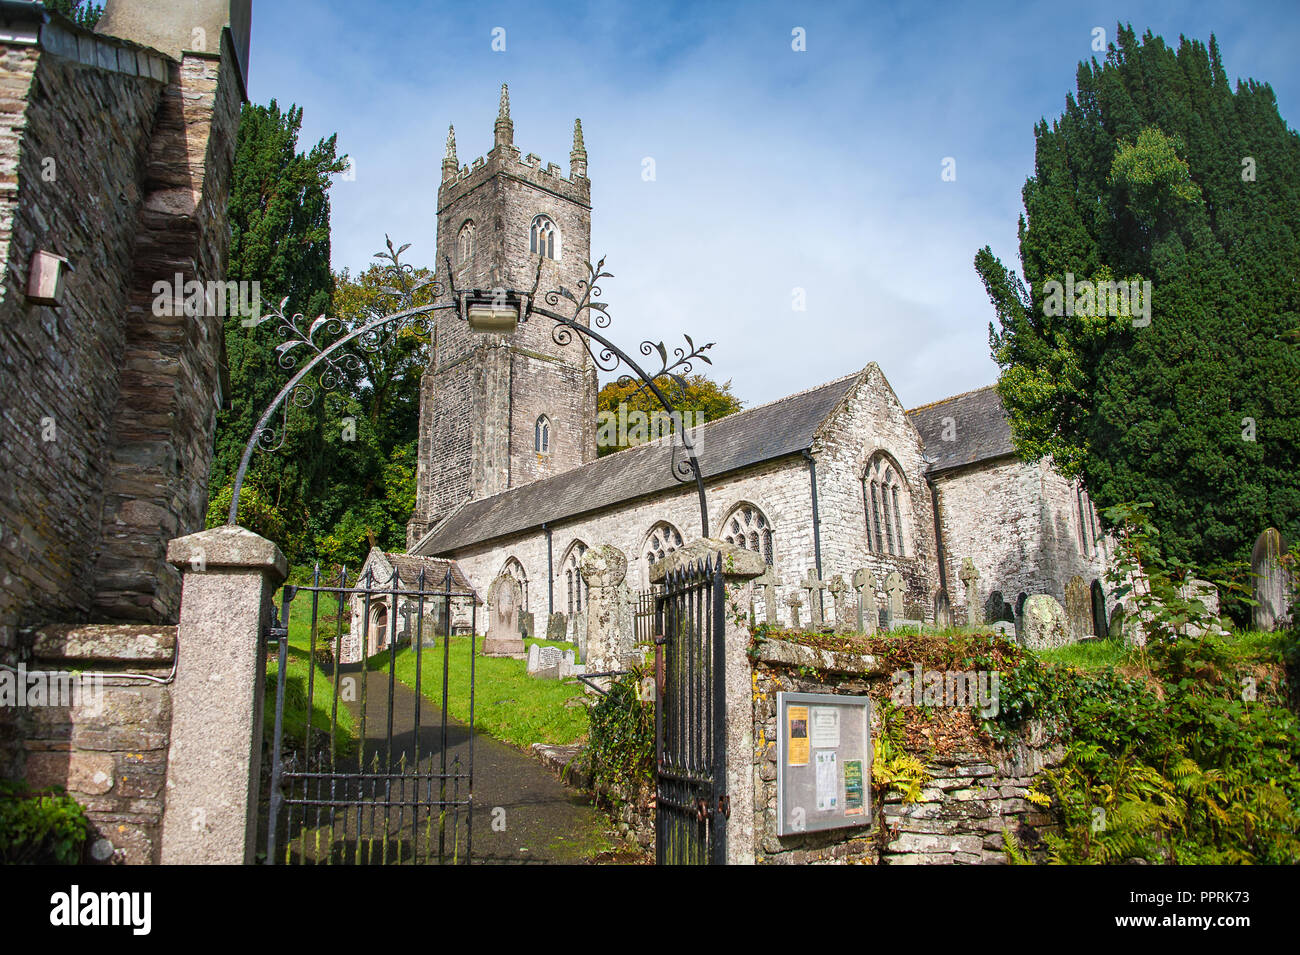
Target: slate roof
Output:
[(981, 430), (408, 568), (782, 427)]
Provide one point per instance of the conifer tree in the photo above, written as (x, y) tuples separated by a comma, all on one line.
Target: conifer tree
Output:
[(1160, 171)]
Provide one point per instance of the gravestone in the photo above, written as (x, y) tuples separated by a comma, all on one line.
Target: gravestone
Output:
[(839, 594), (580, 634), (894, 591), (1043, 623), (1116, 628), (1006, 628), (864, 582), (970, 578), (1078, 609), (794, 602), (557, 627), (610, 631), (505, 599), (1272, 583), (768, 581), (996, 608), (526, 624), (814, 585), (942, 611)]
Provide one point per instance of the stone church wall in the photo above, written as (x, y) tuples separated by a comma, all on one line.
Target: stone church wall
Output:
[(873, 421), (1019, 523)]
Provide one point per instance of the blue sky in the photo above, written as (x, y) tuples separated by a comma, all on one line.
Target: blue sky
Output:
[(774, 169)]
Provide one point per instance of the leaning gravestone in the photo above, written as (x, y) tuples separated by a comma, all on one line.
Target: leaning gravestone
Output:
[(505, 598), (1078, 609), (1043, 623), (1272, 590), (1115, 630)]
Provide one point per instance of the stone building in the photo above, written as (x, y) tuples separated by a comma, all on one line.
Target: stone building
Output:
[(116, 148), (830, 481), (413, 585)]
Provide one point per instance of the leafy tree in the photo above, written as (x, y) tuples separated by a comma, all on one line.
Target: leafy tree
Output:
[(81, 12), (1160, 172), (703, 398), (280, 238)]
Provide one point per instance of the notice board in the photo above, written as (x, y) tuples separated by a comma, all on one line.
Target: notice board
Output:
[(823, 762)]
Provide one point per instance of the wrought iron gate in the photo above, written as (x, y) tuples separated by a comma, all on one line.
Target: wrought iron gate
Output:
[(691, 807), (357, 777)]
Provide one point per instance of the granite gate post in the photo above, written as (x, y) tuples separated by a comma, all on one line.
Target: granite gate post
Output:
[(229, 576)]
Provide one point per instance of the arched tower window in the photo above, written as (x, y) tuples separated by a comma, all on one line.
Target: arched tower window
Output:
[(885, 499), (662, 540), (544, 238), (465, 244), (748, 527), (542, 435), (576, 586)]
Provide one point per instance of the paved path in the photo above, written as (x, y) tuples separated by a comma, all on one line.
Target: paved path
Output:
[(521, 812)]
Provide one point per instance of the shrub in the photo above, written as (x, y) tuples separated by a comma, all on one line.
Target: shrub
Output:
[(621, 741), (40, 828)]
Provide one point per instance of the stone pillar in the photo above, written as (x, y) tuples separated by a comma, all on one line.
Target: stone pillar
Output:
[(740, 567), (610, 631), (229, 576)]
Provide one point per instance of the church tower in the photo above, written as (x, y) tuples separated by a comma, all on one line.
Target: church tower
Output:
[(501, 410)]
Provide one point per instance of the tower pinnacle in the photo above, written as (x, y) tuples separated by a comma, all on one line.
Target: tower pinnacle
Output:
[(578, 156), (505, 129), (449, 162)]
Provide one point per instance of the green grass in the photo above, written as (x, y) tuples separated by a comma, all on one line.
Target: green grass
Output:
[(508, 703), (295, 687), (1099, 654)]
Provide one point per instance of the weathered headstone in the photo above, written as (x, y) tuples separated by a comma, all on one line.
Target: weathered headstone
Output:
[(768, 581), (942, 611), (814, 585), (526, 624), (839, 594), (895, 589), (970, 578), (997, 608), (1272, 590), (579, 639), (557, 627), (1116, 628), (505, 598), (534, 657), (864, 582), (1043, 623), (611, 631), (794, 602), (1078, 609), (1006, 628)]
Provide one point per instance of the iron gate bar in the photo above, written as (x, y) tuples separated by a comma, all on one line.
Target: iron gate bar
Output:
[(374, 799)]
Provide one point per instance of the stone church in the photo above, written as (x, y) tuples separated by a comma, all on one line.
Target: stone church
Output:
[(831, 481)]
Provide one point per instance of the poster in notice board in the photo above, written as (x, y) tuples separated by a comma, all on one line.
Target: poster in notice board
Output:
[(823, 762)]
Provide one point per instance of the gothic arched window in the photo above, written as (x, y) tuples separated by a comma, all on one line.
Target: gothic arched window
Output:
[(544, 238), (662, 540), (542, 435), (748, 527), (465, 244), (885, 500), (577, 587)]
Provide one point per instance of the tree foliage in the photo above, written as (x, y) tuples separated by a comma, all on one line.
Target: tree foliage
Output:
[(1159, 171), (703, 398), (81, 12)]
